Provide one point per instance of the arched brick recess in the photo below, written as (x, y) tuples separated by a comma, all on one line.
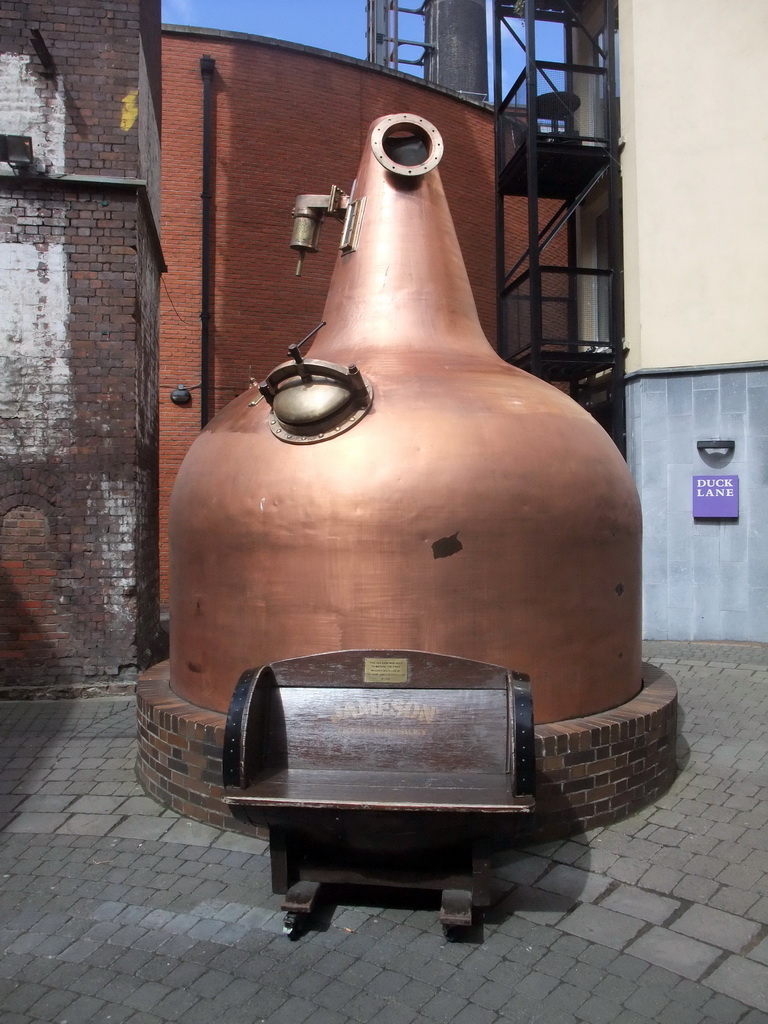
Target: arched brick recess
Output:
[(32, 619)]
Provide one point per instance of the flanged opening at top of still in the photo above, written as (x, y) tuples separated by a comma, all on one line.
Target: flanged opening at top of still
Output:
[(407, 145)]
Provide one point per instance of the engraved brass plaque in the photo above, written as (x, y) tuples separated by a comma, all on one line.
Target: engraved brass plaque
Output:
[(386, 670)]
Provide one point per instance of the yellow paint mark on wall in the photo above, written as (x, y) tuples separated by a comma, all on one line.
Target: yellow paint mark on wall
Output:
[(130, 110)]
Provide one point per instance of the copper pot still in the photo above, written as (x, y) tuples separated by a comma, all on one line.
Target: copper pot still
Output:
[(399, 486)]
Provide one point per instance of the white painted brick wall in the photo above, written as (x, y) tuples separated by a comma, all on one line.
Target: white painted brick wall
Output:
[(36, 401), (33, 105)]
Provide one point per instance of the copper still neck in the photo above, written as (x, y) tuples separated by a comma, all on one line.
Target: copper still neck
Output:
[(404, 288)]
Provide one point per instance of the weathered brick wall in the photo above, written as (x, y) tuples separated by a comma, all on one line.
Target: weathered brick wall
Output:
[(78, 352), (95, 47), (287, 121)]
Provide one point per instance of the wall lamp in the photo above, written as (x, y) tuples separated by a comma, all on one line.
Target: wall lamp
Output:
[(182, 395), (716, 447), (16, 150)]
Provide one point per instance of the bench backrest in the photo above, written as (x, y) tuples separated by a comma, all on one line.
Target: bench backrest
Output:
[(378, 711)]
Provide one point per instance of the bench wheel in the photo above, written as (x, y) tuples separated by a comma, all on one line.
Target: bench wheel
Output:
[(455, 913), (294, 925), (453, 932)]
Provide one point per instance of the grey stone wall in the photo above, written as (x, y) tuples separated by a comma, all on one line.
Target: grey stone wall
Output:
[(703, 579)]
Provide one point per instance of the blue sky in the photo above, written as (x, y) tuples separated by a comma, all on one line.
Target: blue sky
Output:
[(336, 25)]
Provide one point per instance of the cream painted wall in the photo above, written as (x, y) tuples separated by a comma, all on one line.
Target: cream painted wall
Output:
[(695, 181)]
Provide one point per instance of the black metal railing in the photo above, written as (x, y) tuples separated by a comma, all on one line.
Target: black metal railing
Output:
[(570, 104), (575, 311)]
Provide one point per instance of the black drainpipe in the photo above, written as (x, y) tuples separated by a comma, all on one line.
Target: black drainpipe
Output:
[(207, 68)]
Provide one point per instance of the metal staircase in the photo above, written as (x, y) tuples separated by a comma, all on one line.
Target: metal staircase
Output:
[(557, 148)]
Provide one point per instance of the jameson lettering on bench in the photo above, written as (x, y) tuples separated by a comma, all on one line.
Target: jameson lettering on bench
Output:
[(381, 708), (716, 497)]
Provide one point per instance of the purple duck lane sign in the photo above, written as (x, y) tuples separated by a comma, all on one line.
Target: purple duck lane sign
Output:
[(716, 497)]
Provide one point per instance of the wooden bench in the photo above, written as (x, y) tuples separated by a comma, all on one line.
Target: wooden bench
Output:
[(381, 767)]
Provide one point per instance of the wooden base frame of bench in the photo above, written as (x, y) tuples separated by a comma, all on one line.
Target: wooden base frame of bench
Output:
[(301, 881)]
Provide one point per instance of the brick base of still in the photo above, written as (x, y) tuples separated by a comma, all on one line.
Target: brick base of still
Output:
[(589, 771)]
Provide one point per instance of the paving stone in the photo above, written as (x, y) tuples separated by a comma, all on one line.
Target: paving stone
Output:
[(211, 982), (760, 952), (52, 1004), (520, 868), (696, 888), (146, 995), (537, 905), (191, 833), (142, 805), (743, 980), (88, 824), (660, 879), (474, 1015), (637, 903), (596, 861), (573, 882), (416, 993), (483, 962), (107, 1013), (567, 997), (176, 1005), (536, 985), (753, 1017), (628, 1017), (706, 866), (494, 995), (584, 976), (525, 1010), (36, 821), (615, 988), (677, 953), (38, 802), (723, 1009), (598, 1011), (716, 927), (555, 963), (691, 993), (627, 869), (23, 996), (241, 844), (569, 946), (443, 1007), (82, 949), (308, 983), (650, 1003), (506, 972), (743, 876), (322, 1016), (96, 804), (78, 1009), (394, 1013), (599, 924)]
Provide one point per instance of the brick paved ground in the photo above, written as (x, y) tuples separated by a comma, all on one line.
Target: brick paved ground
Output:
[(115, 911)]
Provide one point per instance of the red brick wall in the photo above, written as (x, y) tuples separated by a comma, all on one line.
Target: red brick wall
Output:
[(287, 121)]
